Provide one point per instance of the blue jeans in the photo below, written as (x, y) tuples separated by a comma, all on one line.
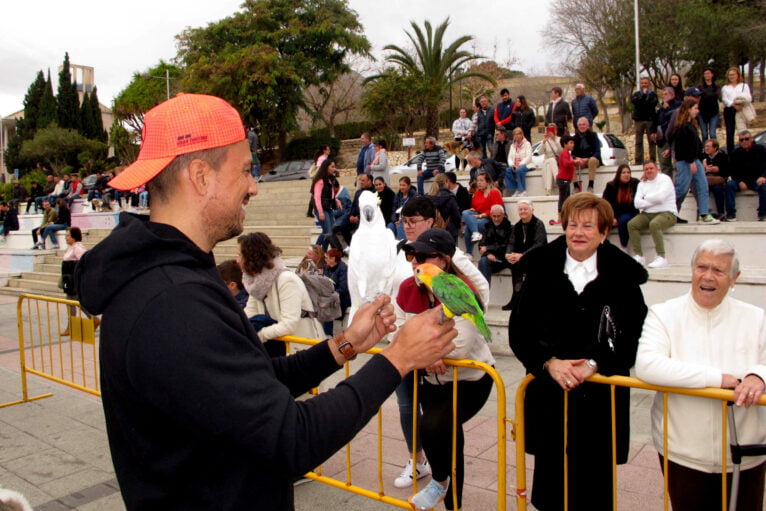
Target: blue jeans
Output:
[(516, 179), (143, 199), (398, 230), (622, 227), (482, 142), (404, 394), (487, 267), (327, 225), (684, 178), (427, 174), (472, 225), (708, 128), (51, 230), (718, 195), (732, 187)]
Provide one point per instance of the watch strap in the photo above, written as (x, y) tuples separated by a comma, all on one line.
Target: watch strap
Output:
[(344, 346)]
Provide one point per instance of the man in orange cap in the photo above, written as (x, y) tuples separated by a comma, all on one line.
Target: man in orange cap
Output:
[(198, 415)]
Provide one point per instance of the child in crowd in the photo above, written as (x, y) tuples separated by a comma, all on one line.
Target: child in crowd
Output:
[(231, 274), (566, 171)]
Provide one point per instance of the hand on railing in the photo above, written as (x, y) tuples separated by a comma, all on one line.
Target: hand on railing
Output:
[(749, 391)]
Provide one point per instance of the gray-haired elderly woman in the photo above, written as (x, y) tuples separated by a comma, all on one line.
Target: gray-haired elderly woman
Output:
[(707, 338)]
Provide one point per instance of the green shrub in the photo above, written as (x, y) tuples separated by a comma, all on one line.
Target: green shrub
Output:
[(304, 148), (6, 191)]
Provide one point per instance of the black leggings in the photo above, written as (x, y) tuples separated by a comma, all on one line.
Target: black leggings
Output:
[(436, 427)]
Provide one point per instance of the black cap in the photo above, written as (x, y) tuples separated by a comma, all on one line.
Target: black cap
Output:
[(433, 240), (693, 91)]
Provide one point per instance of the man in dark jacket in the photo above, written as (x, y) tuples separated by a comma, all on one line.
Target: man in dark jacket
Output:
[(644, 111), (460, 192), (504, 110), (198, 415), (495, 238), (583, 105), (485, 127), (587, 151), (747, 164), (528, 234), (558, 112), (494, 168)]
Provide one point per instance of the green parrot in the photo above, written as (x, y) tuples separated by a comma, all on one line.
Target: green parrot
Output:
[(456, 297)]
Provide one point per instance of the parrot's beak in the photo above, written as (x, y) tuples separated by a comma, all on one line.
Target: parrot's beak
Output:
[(369, 213)]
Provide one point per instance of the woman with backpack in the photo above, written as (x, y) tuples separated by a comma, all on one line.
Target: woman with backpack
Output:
[(279, 303)]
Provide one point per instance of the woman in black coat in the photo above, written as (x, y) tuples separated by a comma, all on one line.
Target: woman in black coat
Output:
[(598, 319), (386, 196), (620, 193)]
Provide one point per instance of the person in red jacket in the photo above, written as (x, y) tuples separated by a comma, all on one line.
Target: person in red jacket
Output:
[(566, 170)]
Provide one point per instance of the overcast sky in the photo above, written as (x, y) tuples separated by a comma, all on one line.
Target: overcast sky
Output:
[(118, 38)]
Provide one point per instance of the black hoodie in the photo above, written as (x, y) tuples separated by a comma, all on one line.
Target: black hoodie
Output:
[(198, 415)]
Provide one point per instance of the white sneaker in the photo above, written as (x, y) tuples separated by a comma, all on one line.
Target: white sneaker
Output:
[(640, 259), (522, 193), (405, 478), (659, 262), (516, 193), (476, 236)]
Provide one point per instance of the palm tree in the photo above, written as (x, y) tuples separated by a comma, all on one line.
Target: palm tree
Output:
[(434, 66)]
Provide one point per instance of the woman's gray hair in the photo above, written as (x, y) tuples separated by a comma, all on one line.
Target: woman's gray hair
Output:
[(718, 247)]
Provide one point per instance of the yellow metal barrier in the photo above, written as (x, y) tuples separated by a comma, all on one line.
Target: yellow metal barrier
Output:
[(620, 381), (380, 494), (56, 342)]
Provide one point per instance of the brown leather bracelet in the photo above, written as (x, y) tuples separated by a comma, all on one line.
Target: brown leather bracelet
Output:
[(344, 346)]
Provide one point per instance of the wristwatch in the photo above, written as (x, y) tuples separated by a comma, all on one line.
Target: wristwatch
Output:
[(592, 364), (344, 346)]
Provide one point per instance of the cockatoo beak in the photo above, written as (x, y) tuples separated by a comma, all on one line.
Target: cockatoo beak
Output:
[(369, 213)]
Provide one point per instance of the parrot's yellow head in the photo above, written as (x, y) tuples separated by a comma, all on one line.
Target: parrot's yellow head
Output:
[(427, 271)]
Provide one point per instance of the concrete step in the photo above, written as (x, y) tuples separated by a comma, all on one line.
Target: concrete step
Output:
[(747, 207), (36, 286), (42, 276)]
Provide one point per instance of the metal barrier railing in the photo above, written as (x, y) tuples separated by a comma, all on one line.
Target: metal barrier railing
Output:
[(519, 433), (380, 494), (56, 341)]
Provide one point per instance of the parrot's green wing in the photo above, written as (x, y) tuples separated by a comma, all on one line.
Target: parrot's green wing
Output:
[(459, 300), (454, 294)]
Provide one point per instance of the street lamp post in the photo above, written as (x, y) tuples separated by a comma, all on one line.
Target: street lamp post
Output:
[(638, 60)]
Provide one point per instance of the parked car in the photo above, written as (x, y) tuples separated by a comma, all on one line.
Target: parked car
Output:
[(613, 151), (409, 166), (287, 171), (760, 138)]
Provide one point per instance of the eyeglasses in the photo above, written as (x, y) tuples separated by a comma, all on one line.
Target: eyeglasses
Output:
[(744, 139), (412, 222), (419, 256)]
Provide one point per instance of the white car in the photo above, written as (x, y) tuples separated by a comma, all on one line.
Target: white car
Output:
[(409, 167), (613, 151)]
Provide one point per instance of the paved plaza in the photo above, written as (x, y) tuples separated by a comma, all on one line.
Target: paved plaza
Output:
[(55, 450)]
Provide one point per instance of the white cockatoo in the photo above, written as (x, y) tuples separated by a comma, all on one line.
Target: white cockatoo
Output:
[(374, 267)]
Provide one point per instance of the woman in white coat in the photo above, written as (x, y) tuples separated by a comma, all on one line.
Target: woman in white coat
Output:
[(279, 303)]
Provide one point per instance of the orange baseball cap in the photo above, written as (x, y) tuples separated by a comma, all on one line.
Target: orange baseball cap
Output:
[(184, 124)]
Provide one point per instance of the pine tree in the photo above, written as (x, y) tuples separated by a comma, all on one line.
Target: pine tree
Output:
[(47, 112), (99, 133), (86, 126), (67, 98), (29, 126)]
